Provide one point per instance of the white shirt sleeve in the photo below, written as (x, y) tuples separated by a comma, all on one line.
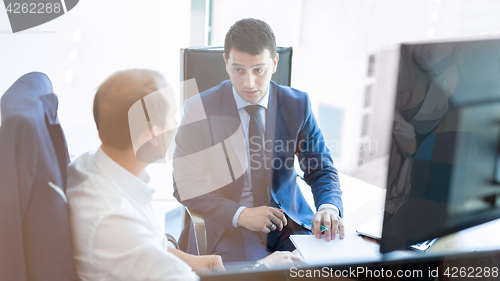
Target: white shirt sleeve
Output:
[(331, 206), (236, 215), (126, 249)]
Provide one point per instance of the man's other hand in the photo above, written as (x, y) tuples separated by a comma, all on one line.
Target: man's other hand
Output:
[(329, 218), (263, 219), (209, 263), (282, 259)]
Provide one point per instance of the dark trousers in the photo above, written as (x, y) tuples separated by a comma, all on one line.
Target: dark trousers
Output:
[(253, 245)]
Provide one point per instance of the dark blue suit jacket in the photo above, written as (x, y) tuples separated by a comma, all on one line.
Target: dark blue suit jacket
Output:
[(35, 242), (291, 129)]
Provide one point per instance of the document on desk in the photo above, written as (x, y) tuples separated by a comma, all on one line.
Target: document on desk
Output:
[(350, 249)]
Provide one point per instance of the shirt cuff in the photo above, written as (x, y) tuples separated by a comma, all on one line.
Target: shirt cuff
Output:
[(237, 214), (324, 206)]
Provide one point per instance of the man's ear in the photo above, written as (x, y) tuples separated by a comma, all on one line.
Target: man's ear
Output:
[(225, 61), (275, 63)]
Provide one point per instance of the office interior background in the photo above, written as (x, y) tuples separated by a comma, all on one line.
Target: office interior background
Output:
[(333, 43)]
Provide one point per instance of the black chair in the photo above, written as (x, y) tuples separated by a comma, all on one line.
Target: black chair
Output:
[(206, 65), (35, 241)]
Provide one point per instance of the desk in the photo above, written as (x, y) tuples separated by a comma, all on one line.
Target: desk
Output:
[(363, 201), (483, 237)]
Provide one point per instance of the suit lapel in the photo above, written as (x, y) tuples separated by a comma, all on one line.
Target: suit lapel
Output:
[(50, 104), (229, 112), (230, 129), (274, 119)]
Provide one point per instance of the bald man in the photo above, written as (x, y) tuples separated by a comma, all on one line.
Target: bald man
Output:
[(115, 233)]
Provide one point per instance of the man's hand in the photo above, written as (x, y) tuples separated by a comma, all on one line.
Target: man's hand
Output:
[(202, 264), (331, 220), (282, 259), (263, 219)]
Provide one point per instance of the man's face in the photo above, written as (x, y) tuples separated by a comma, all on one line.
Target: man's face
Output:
[(167, 113), (161, 109), (250, 74)]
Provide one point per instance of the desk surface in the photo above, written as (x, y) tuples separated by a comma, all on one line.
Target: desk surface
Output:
[(363, 201)]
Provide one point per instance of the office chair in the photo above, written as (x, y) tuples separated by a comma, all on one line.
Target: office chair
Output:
[(206, 65), (35, 242)]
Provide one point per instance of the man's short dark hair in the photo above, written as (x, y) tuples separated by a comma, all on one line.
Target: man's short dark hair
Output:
[(251, 36)]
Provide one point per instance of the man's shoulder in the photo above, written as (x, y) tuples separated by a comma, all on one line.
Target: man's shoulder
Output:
[(80, 170), (216, 90), (211, 98), (289, 95), (86, 181)]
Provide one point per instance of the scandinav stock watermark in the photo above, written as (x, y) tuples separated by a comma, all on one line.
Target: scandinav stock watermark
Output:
[(24, 14)]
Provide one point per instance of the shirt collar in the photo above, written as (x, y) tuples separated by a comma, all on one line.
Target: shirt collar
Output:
[(133, 186), (241, 103)]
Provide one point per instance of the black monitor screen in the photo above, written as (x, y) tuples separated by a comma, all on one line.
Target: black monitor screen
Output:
[(443, 169)]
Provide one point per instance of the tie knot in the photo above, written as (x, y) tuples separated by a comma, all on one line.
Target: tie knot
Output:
[(253, 109)]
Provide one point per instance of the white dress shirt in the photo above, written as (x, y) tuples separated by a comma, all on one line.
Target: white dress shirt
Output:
[(246, 200), (116, 235)]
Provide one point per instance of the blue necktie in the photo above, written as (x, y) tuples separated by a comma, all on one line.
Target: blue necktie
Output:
[(256, 146)]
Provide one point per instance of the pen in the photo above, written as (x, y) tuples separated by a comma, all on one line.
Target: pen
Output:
[(322, 227)]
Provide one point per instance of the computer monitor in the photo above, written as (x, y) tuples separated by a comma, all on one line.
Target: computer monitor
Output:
[(444, 169)]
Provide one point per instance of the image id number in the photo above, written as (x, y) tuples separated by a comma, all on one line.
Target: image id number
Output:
[(34, 8), (474, 272)]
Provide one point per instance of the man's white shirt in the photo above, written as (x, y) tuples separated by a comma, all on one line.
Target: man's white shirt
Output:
[(116, 235)]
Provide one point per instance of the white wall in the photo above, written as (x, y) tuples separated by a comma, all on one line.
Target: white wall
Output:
[(81, 49), (333, 38)]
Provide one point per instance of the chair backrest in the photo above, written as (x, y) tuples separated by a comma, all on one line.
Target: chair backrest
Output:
[(35, 239), (206, 65)]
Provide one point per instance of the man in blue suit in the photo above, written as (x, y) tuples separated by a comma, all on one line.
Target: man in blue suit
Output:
[(234, 160)]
